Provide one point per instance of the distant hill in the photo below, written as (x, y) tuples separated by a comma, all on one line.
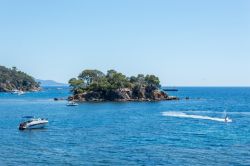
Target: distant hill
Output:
[(44, 83), (13, 79)]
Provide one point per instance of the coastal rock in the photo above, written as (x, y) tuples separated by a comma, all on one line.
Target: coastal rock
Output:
[(93, 96), (13, 79), (59, 99), (138, 93), (119, 95), (124, 94), (172, 98)]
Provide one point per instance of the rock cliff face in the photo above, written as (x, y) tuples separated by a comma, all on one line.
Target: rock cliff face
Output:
[(12, 79), (124, 94), (8, 87)]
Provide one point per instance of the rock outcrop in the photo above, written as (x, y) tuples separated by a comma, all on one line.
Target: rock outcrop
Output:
[(124, 94), (12, 79)]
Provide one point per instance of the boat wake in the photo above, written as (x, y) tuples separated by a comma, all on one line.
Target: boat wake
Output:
[(184, 115)]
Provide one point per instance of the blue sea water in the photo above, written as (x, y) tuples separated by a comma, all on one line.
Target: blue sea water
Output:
[(130, 133)]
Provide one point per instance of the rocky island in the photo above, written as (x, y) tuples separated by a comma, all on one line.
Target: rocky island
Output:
[(13, 79), (94, 85)]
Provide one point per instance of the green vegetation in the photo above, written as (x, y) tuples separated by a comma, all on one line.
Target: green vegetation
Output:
[(94, 80), (12, 79)]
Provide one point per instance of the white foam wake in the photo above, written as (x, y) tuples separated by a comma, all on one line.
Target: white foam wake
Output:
[(184, 115)]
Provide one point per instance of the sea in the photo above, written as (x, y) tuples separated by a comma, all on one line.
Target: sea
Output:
[(187, 132)]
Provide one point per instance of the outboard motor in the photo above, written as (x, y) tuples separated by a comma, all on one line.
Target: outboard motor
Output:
[(22, 126)]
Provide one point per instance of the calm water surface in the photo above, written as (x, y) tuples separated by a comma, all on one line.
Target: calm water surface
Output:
[(133, 133)]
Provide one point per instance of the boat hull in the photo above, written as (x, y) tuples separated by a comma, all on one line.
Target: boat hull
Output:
[(33, 125), (37, 126)]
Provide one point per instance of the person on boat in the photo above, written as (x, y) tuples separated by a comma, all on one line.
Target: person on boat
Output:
[(226, 118)]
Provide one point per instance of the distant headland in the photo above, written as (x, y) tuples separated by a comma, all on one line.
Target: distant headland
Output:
[(49, 83), (94, 85), (13, 79)]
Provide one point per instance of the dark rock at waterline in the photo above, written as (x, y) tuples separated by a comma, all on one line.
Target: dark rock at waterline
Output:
[(59, 99), (124, 94)]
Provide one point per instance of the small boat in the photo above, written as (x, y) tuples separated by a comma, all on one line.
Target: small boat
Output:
[(228, 120), (33, 123), (15, 91), (19, 93), (71, 103)]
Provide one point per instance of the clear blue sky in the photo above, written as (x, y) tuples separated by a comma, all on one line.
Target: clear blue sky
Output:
[(184, 42)]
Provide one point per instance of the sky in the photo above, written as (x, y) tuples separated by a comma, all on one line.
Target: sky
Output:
[(185, 43)]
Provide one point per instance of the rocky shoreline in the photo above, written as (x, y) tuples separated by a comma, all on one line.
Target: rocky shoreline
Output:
[(121, 95), (10, 88)]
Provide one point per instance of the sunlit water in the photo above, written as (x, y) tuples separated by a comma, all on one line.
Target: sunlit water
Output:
[(130, 133)]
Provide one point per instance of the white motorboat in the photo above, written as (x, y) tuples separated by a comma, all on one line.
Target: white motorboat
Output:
[(20, 93), (71, 103), (33, 123), (15, 91)]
